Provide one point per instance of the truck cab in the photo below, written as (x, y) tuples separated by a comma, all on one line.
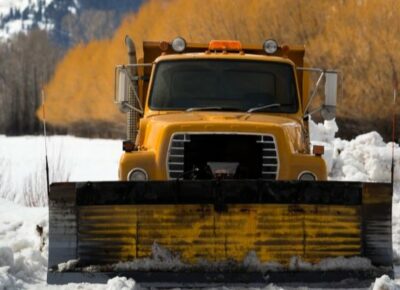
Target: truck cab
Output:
[(218, 110)]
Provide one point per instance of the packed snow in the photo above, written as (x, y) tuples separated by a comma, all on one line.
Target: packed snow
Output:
[(23, 251), (385, 283), (162, 259), (24, 228)]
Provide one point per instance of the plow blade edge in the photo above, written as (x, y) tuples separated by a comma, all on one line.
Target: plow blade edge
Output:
[(219, 232)]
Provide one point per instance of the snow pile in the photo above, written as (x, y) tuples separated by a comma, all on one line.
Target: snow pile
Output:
[(23, 251), (385, 283), (252, 262), (164, 260), (296, 263), (67, 266), (329, 264), (324, 134), (396, 231), (121, 283), (161, 259), (365, 158)]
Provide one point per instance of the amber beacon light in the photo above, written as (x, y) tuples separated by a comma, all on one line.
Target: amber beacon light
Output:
[(231, 45)]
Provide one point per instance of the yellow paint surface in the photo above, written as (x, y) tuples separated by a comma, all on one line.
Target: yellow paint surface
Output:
[(275, 232)]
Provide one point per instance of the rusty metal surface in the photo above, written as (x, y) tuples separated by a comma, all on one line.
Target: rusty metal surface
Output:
[(276, 233), (377, 223), (63, 235)]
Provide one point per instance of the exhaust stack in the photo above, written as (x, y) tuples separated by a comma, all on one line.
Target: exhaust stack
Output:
[(132, 101)]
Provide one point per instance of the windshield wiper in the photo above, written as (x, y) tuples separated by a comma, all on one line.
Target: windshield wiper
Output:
[(263, 107), (215, 108)]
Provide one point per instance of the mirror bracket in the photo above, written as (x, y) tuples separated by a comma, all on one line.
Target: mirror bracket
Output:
[(123, 81), (328, 109)]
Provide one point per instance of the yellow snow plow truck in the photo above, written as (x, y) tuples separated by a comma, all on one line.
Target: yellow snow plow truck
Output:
[(218, 184)]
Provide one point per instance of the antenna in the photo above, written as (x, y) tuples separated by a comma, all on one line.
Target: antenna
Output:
[(395, 86), (45, 141)]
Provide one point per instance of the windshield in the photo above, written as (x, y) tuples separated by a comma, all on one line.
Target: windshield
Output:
[(254, 86)]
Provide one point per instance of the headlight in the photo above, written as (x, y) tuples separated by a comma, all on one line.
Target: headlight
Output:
[(270, 46), (137, 174), (307, 176), (178, 44)]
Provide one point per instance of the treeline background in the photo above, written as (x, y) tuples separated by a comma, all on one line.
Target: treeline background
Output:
[(360, 38), (28, 60)]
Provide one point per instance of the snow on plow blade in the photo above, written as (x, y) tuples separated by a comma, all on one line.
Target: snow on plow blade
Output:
[(219, 232)]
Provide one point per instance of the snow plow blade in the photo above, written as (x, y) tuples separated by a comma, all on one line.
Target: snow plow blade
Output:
[(202, 233)]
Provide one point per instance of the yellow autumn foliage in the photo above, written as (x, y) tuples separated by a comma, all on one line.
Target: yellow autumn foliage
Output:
[(358, 37)]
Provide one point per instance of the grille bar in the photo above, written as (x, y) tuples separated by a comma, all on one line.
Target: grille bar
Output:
[(269, 157), (175, 158)]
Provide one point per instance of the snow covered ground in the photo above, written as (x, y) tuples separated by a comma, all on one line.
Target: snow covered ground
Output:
[(23, 229), (22, 163)]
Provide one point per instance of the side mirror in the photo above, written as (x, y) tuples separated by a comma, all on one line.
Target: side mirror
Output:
[(328, 110), (121, 93)]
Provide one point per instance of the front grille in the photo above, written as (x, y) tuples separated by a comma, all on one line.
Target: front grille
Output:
[(261, 148), (176, 155), (269, 157)]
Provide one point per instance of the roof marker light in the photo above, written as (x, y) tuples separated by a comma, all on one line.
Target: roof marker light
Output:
[(178, 44), (164, 45), (270, 46)]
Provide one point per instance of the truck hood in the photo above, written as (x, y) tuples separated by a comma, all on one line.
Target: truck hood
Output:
[(156, 128)]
